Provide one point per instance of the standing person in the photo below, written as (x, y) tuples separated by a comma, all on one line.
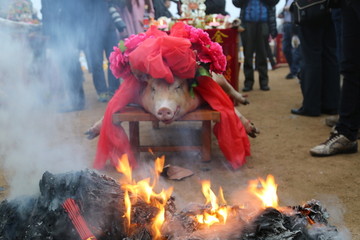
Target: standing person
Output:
[(215, 7), (161, 8), (102, 37), (134, 13), (343, 139), (290, 49), (320, 77), (273, 34), (63, 25), (254, 17)]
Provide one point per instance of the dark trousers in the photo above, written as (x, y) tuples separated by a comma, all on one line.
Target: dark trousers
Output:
[(270, 54), (320, 77), (349, 121), (66, 57), (292, 55), (254, 41), (100, 44)]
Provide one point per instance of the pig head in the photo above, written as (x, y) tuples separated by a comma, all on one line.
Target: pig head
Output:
[(168, 102)]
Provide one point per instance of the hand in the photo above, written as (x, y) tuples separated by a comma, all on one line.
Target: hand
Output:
[(295, 41)]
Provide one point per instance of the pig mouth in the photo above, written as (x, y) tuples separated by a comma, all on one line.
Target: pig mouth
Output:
[(170, 120)]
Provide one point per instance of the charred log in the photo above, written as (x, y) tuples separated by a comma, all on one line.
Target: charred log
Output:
[(295, 223)]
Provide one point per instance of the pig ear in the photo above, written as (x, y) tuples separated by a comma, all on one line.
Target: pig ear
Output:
[(143, 77)]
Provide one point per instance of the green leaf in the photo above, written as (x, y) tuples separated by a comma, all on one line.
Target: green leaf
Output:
[(203, 72), (121, 46), (194, 84)]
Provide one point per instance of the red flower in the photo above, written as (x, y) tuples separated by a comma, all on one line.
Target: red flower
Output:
[(218, 59), (119, 64)]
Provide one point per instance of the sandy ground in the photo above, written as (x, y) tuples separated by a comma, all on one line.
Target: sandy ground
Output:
[(282, 149)]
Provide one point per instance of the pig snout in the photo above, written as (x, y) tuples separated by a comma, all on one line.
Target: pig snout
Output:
[(165, 114)]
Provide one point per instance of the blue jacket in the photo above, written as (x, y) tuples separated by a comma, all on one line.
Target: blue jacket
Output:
[(271, 10)]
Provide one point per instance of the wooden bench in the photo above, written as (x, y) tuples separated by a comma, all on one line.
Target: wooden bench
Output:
[(134, 115)]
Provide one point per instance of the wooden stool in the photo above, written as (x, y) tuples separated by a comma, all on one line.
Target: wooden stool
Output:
[(134, 115)]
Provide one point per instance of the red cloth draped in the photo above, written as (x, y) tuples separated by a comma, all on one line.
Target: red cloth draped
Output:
[(113, 141), (164, 57), (230, 132)]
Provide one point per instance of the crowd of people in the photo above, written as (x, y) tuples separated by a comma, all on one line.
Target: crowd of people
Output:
[(319, 54)]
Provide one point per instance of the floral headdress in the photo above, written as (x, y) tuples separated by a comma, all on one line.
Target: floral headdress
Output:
[(197, 52)]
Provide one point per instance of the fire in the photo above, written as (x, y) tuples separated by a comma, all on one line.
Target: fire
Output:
[(265, 190), (144, 190), (217, 213)]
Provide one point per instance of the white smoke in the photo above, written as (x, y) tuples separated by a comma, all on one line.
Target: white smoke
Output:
[(30, 126)]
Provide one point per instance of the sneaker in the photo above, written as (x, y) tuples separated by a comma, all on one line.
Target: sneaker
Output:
[(336, 144)]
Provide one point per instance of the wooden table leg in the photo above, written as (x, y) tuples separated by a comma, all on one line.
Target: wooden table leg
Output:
[(206, 141), (134, 138)]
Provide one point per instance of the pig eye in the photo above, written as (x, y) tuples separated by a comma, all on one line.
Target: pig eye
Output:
[(152, 89)]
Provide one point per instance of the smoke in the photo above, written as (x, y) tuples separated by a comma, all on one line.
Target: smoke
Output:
[(31, 127)]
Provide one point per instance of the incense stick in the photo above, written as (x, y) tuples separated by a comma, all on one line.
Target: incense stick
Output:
[(78, 221)]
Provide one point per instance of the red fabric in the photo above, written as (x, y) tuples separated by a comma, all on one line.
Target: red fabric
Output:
[(230, 132), (164, 57), (113, 141)]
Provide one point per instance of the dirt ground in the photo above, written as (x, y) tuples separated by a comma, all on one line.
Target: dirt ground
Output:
[(282, 149)]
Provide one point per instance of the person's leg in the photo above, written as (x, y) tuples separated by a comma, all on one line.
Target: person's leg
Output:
[(311, 83), (270, 54), (344, 138), (262, 36), (330, 71), (110, 43), (247, 39), (73, 80), (349, 121), (97, 58), (286, 45), (296, 60)]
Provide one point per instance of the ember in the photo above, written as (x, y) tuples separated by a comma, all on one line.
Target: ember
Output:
[(112, 210)]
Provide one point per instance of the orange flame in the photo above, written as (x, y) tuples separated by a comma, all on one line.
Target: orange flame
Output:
[(265, 190), (217, 214), (124, 167), (128, 208), (143, 189)]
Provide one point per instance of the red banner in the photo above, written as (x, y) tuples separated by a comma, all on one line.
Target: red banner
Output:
[(280, 57), (229, 40)]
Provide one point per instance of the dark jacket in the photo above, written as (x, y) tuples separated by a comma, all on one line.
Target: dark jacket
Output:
[(243, 3), (272, 22), (215, 7), (160, 9)]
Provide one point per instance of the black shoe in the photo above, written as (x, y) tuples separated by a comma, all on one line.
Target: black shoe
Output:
[(329, 111), (247, 89), (265, 88), (290, 76), (301, 112)]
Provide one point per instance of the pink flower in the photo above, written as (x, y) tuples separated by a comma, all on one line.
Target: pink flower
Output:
[(133, 41), (218, 58), (119, 64)]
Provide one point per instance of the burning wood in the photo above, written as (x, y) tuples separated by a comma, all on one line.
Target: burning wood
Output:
[(131, 210)]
